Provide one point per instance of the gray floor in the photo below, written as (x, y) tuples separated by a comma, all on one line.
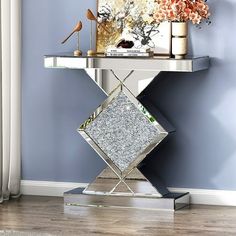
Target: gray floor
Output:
[(47, 216)]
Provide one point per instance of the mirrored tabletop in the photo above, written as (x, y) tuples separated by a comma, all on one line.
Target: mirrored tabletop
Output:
[(100, 61)]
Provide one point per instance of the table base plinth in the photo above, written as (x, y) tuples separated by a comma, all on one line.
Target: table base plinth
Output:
[(171, 201)]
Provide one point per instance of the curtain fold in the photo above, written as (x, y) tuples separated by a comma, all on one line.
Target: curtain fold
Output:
[(10, 101)]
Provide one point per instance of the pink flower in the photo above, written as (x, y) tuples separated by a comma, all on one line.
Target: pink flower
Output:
[(181, 10)]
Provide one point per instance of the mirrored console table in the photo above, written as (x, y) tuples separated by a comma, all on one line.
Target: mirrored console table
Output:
[(124, 129)]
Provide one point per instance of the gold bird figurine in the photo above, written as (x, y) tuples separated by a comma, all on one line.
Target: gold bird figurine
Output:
[(77, 30), (92, 17)]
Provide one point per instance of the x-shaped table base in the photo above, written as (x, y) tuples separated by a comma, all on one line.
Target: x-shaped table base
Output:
[(123, 132)]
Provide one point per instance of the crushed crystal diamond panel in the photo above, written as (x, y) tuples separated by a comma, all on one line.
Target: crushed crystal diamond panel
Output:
[(122, 131)]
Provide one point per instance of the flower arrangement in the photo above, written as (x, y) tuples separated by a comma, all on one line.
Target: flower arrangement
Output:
[(182, 11)]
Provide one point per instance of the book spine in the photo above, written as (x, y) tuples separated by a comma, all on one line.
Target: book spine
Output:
[(128, 54), (128, 50)]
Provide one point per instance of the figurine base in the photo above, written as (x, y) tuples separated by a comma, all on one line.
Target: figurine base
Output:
[(77, 53), (179, 57), (171, 201), (91, 53)]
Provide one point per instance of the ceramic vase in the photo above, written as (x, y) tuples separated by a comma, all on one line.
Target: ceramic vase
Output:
[(179, 39)]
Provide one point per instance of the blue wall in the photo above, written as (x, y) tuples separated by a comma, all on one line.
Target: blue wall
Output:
[(55, 102), (202, 154)]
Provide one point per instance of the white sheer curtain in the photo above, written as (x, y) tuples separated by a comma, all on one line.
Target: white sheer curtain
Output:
[(10, 99)]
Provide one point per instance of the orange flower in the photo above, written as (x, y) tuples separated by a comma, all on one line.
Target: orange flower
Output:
[(181, 10)]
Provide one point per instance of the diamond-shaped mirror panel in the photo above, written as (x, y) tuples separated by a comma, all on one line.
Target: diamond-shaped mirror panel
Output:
[(122, 131)]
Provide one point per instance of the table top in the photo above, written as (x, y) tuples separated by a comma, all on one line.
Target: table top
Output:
[(156, 63)]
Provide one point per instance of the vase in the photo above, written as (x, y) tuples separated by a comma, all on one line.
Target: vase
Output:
[(179, 39)]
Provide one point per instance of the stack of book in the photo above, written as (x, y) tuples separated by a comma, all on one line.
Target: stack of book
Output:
[(128, 52)]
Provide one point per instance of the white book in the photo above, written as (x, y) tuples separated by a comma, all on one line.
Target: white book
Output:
[(128, 54), (127, 50)]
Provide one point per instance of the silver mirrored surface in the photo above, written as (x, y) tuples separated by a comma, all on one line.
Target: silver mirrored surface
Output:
[(136, 82), (67, 60), (123, 131)]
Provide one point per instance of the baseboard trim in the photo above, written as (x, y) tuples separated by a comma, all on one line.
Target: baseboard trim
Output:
[(198, 196), (48, 188), (209, 197)]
